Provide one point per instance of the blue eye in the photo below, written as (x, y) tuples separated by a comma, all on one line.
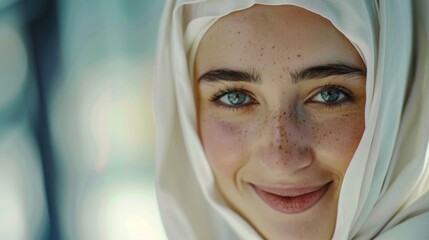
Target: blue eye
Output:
[(330, 95), (235, 98)]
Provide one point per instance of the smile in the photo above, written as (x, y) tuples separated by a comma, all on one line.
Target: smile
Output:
[(291, 200)]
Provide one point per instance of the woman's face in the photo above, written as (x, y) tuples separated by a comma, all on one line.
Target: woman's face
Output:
[(281, 99)]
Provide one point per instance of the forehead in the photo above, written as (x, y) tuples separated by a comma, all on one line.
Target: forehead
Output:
[(272, 19), (268, 35)]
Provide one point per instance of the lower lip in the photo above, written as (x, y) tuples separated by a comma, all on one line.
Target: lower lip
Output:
[(292, 205)]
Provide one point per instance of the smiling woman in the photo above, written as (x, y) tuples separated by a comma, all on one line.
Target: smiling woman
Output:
[(270, 127), (287, 120)]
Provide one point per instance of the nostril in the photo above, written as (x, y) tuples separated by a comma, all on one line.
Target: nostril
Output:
[(304, 151)]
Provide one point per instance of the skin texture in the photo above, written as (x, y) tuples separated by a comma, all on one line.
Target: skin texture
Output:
[(284, 134)]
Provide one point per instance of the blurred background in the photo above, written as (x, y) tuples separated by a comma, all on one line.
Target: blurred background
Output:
[(76, 119)]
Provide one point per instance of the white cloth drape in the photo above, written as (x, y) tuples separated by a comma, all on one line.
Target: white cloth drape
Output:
[(384, 193)]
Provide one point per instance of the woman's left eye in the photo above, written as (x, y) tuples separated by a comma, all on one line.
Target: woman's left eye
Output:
[(330, 95)]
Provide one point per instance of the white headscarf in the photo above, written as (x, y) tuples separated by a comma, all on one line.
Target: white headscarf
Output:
[(384, 193)]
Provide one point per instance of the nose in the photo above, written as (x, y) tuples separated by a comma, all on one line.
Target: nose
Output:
[(285, 143)]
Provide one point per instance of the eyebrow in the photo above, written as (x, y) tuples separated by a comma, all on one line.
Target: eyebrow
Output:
[(323, 71), (313, 72), (231, 75)]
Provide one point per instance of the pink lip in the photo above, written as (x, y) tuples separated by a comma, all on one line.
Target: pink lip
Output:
[(291, 200)]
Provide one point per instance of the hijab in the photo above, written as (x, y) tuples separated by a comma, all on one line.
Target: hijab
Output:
[(384, 192)]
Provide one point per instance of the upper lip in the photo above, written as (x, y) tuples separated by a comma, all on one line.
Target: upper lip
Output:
[(290, 190)]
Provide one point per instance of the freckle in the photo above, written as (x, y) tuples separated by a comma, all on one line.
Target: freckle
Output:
[(238, 32), (288, 58), (262, 49), (273, 47), (261, 54), (280, 147), (298, 55), (274, 62), (281, 76)]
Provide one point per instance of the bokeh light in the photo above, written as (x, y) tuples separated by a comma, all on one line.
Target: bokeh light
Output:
[(76, 119)]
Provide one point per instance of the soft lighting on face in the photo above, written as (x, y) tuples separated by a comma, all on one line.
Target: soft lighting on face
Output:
[(303, 129)]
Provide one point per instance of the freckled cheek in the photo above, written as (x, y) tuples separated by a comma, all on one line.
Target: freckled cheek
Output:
[(224, 144), (337, 140)]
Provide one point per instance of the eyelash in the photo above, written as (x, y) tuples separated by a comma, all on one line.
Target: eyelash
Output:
[(218, 95), (348, 97)]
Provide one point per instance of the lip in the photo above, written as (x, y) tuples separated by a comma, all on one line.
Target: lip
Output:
[(291, 200)]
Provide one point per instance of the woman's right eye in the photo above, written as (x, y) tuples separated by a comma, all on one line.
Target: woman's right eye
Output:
[(233, 98), (236, 98)]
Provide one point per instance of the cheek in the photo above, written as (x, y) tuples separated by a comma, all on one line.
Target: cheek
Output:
[(336, 140), (223, 144)]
